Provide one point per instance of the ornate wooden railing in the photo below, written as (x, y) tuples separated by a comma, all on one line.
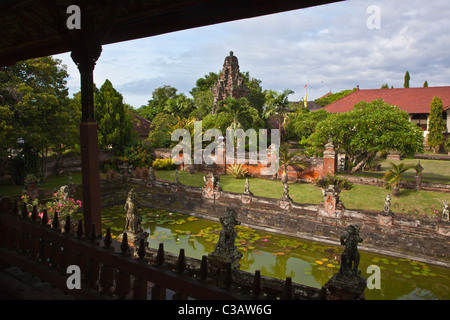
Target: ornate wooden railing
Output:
[(111, 270)]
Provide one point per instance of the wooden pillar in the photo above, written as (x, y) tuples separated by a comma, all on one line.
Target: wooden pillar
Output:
[(85, 52)]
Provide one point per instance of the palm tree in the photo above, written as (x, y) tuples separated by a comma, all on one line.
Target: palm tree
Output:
[(286, 158), (239, 111), (277, 103), (394, 176)]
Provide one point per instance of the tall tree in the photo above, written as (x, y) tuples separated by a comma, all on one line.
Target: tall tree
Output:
[(406, 80), (160, 97), (436, 124), (425, 84), (303, 123), (367, 129), (34, 100), (115, 129), (180, 106)]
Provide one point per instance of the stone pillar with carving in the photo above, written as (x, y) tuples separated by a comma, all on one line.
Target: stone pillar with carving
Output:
[(211, 189), (331, 206), (329, 159)]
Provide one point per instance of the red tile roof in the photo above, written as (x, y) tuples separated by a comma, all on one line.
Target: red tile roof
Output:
[(140, 125), (412, 100)]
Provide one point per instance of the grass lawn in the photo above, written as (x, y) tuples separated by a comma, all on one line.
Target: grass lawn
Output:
[(439, 169), (52, 183), (359, 197)]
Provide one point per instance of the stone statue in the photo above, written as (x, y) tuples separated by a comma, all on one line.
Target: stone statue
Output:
[(347, 283), (247, 188), (350, 256), (225, 250), (387, 203), (64, 191), (176, 177), (445, 211), (133, 218)]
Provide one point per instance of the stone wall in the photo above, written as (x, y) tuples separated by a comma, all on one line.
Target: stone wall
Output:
[(314, 170), (398, 236)]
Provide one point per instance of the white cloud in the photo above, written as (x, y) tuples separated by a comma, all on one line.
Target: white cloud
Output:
[(329, 47)]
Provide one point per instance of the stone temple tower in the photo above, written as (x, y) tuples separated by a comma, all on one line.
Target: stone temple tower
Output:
[(230, 83)]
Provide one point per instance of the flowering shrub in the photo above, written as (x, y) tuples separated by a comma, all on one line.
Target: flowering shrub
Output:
[(60, 203), (164, 164)]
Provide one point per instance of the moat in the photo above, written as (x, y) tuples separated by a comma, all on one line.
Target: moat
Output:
[(306, 262)]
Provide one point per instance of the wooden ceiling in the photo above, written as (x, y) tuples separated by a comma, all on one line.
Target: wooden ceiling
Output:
[(35, 28)]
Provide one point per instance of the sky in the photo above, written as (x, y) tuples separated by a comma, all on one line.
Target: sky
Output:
[(330, 48)]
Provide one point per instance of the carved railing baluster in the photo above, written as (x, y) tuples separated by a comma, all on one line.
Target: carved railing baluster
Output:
[(44, 219), (33, 241), (287, 291), (228, 276), (80, 229), (140, 289), (55, 222), (66, 255), (107, 272), (180, 267), (55, 249), (93, 235), (124, 247), (15, 211), (91, 272), (44, 245), (159, 292), (44, 251), (203, 272), (34, 214), (79, 259), (160, 255), (67, 225), (108, 239), (92, 266), (256, 287), (142, 249), (23, 241), (123, 280), (24, 211), (106, 278)]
